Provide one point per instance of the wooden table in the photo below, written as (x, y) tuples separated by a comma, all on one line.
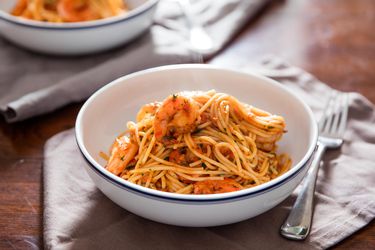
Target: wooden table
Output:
[(334, 40)]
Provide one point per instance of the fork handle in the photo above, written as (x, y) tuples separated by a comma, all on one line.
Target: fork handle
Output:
[(297, 225)]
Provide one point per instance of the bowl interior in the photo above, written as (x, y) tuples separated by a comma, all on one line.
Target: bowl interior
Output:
[(7, 5), (106, 113)]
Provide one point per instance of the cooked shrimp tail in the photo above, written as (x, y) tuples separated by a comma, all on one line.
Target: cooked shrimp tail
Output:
[(122, 153)]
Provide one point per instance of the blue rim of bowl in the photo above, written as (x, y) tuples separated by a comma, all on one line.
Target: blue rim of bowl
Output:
[(216, 198), (199, 202), (147, 6)]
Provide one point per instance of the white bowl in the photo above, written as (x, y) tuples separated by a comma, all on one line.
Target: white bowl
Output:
[(80, 37), (105, 113)]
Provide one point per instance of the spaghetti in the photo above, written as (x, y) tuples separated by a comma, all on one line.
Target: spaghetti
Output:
[(68, 10), (199, 143)]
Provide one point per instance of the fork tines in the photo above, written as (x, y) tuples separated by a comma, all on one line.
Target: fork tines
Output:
[(333, 121)]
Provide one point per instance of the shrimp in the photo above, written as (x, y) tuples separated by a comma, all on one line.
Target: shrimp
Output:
[(147, 110), (20, 7), (183, 156), (216, 186), (122, 153), (76, 10), (267, 143), (178, 114)]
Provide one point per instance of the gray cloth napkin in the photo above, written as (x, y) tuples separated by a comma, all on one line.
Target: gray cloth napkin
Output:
[(33, 84), (78, 216)]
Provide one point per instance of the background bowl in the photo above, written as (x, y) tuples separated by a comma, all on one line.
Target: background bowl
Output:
[(106, 113), (80, 37)]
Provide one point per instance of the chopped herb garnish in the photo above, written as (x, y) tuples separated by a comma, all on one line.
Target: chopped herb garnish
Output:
[(182, 150), (174, 96), (204, 166), (197, 131), (130, 167), (122, 157), (166, 158), (168, 137), (270, 127)]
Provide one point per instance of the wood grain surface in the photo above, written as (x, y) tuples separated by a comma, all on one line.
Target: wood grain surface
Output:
[(334, 40)]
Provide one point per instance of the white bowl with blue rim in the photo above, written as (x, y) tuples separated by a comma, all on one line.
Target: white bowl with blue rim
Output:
[(105, 114), (80, 37)]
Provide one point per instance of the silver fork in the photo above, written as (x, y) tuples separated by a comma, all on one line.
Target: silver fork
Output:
[(331, 128)]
